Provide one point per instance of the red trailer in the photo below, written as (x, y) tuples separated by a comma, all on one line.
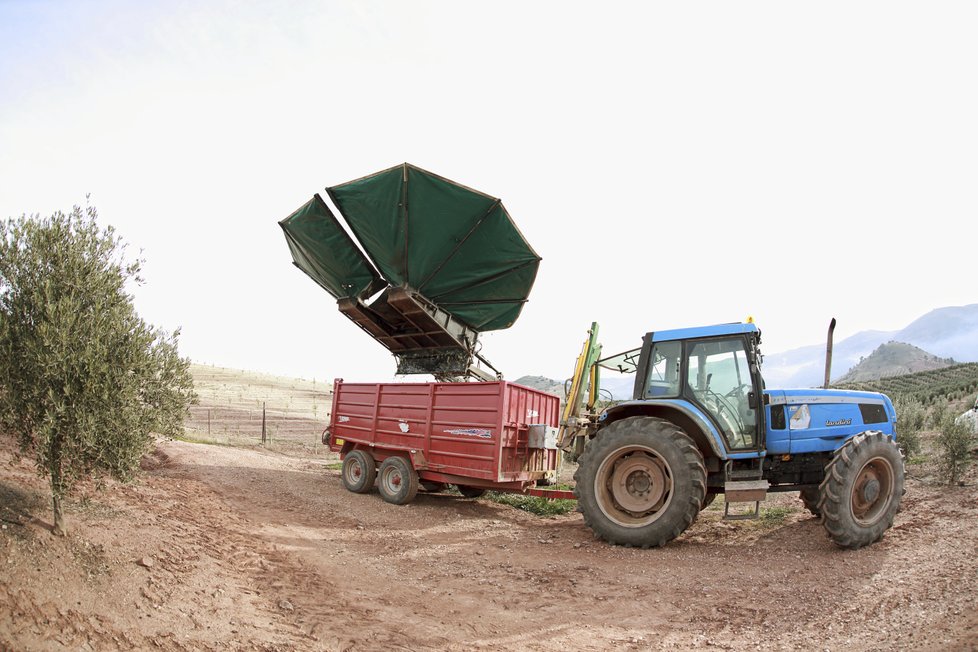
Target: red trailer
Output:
[(477, 436)]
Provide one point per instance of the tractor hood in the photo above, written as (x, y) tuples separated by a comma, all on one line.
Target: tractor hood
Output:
[(814, 415)]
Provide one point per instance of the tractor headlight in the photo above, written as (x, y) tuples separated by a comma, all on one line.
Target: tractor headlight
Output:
[(801, 418)]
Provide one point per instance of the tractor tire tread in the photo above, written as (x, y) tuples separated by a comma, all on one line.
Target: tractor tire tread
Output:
[(658, 533), (834, 503)]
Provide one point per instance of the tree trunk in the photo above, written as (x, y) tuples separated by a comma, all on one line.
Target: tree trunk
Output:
[(57, 487), (59, 518)]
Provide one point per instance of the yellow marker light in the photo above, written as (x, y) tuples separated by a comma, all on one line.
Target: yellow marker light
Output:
[(750, 319)]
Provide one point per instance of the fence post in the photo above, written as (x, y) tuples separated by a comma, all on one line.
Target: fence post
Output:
[(263, 423)]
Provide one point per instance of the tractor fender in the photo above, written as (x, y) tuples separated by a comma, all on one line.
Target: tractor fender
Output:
[(685, 415)]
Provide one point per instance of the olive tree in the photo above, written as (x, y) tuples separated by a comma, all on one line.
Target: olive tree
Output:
[(955, 439), (85, 383)]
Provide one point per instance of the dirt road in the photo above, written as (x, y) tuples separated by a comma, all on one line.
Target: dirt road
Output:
[(220, 548)]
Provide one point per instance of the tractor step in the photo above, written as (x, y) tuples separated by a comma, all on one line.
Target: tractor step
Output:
[(744, 491)]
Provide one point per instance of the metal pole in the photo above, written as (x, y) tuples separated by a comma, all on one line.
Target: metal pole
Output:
[(263, 423)]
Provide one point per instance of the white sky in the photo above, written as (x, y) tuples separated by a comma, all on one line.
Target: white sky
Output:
[(675, 164)]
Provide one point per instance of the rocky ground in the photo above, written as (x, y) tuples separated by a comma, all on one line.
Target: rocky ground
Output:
[(220, 548)]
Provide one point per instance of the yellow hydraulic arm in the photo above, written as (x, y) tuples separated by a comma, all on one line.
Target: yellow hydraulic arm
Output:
[(586, 375)]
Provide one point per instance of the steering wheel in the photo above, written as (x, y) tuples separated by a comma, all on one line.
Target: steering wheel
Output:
[(721, 405), (736, 391)]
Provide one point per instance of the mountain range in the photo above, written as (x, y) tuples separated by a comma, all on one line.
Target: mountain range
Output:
[(943, 335), (950, 332)]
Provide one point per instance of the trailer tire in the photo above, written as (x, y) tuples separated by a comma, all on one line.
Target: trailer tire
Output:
[(470, 492), (397, 481), (359, 471), (810, 498), (641, 482), (861, 492)]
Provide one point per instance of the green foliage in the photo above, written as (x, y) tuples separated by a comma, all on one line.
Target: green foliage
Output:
[(953, 382), (954, 443), (911, 418), (938, 412), (533, 504), (775, 515), (84, 381)]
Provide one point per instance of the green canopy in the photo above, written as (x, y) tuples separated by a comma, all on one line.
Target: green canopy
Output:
[(447, 261), (455, 246), (323, 250)]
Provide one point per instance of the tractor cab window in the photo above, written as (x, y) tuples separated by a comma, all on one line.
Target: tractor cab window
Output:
[(663, 380), (719, 378)]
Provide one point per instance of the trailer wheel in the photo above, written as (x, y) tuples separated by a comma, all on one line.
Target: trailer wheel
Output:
[(861, 491), (810, 498), (359, 471), (470, 492), (641, 482), (398, 482)]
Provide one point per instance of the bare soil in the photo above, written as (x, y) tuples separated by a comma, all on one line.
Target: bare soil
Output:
[(220, 548)]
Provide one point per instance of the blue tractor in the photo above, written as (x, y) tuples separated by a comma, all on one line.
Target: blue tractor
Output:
[(701, 423)]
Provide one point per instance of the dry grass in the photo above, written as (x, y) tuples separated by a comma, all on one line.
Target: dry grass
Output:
[(232, 400)]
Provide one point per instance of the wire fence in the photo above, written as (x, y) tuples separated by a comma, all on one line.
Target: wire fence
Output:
[(269, 425)]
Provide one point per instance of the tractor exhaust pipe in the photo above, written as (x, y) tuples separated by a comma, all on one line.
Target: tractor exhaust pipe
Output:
[(828, 354)]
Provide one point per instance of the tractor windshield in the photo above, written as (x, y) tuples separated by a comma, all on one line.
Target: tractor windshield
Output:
[(719, 379)]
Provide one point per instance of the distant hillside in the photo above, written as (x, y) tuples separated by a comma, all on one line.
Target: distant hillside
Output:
[(894, 359), (950, 332), (954, 382), (542, 383), (234, 403)]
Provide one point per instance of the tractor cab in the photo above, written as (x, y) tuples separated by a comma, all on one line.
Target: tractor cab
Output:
[(716, 371)]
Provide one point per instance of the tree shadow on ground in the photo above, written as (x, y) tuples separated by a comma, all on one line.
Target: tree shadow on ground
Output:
[(21, 506)]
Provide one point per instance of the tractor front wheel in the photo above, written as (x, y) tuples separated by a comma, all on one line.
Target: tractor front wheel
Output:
[(810, 498), (708, 499), (861, 491), (641, 482)]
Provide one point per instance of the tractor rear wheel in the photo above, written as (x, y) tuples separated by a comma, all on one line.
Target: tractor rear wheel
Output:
[(810, 498), (861, 491), (359, 471), (397, 481), (641, 482)]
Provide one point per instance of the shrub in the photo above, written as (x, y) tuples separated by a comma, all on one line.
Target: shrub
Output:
[(954, 443), (911, 418), (938, 411)]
